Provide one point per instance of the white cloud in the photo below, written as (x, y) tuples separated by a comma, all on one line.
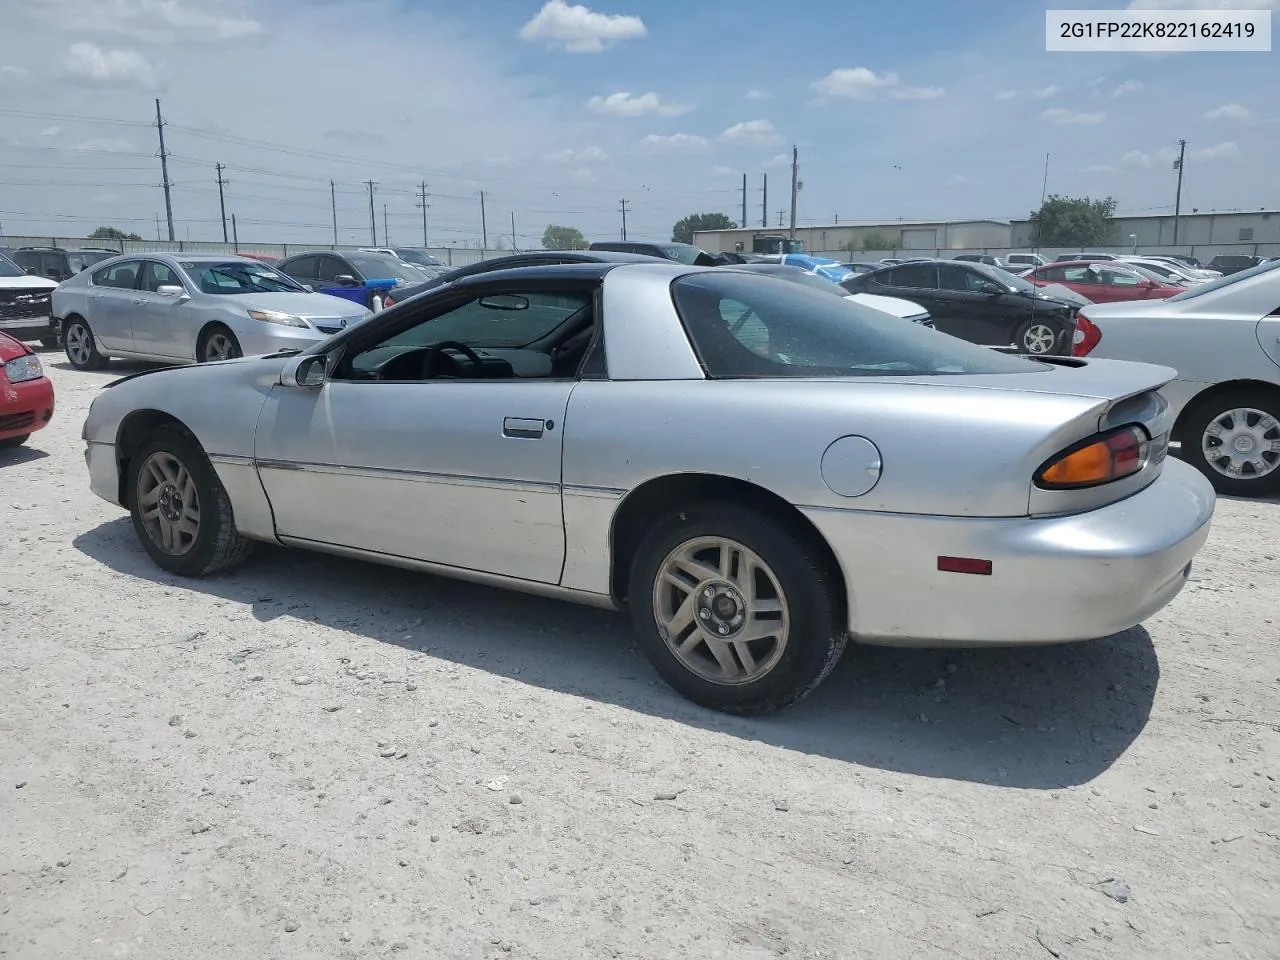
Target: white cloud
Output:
[(1136, 158), (676, 142), (1128, 86), (1099, 168), (1167, 154), (579, 29), (50, 132), (1005, 95), (758, 133), (1044, 93), (107, 198), (9, 72), (777, 160), (860, 83), (152, 21), (957, 180), (1221, 151), (1230, 111), (721, 171), (624, 104), (105, 145), (590, 154), (759, 95), (125, 68), (1062, 116)]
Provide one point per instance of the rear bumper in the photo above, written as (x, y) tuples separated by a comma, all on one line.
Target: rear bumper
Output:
[(25, 407), (1053, 580), (30, 328)]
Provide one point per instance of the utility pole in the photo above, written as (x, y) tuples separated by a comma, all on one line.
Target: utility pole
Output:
[(373, 222), (386, 231), (157, 216), (744, 201), (235, 234), (422, 202), (222, 203), (623, 208), (484, 225), (333, 208), (780, 215), (795, 174), (764, 201), (513, 231), (1177, 200), (164, 170)]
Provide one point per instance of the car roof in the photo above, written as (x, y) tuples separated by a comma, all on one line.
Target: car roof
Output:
[(543, 271)]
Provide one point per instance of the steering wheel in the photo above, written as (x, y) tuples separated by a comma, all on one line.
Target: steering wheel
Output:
[(431, 359)]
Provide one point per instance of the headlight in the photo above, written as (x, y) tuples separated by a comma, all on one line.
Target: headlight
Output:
[(24, 368), (274, 316)]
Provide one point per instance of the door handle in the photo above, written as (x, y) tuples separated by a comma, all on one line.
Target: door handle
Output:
[(522, 428)]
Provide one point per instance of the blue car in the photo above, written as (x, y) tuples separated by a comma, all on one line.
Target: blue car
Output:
[(358, 276), (832, 270)]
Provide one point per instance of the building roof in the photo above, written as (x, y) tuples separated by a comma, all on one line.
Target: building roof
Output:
[(860, 223)]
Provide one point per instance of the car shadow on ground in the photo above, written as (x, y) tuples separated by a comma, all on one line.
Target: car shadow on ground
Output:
[(1031, 717), (13, 456)]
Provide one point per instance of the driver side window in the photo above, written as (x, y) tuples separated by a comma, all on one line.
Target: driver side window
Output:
[(494, 336)]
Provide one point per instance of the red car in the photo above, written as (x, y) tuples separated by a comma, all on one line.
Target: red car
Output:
[(26, 395), (1103, 281)]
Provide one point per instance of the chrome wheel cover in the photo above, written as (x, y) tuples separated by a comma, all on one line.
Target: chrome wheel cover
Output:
[(721, 611), (168, 503), (1039, 338), (1242, 443), (219, 346), (77, 343)]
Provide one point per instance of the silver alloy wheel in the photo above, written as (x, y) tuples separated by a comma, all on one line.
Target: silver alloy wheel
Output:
[(220, 346), (78, 346), (721, 610), (1039, 338), (1243, 444), (168, 503)]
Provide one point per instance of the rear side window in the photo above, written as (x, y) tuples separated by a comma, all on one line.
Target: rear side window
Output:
[(745, 326), (119, 275), (302, 267), (924, 275)]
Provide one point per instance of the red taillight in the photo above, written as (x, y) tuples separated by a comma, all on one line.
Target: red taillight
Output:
[(1097, 460), (387, 301), (1086, 336)]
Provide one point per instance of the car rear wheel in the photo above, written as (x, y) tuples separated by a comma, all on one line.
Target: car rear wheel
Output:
[(180, 510), (8, 443), (734, 609), (82, 351), (1234, 440), (48, 342), (218, 343), (1037, 337)]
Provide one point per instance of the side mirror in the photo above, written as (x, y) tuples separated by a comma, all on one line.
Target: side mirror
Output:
[(993, 289), (309, 288), (171, 290), (308, 371), (345, 280), (31, 272)]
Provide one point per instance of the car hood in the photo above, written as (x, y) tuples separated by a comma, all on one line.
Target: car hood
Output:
[(308, 305), (895, 306), (27, 282), (11, 348)]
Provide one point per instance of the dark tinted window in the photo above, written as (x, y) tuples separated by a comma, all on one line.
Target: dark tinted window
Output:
[(119, 275), (923, 275), (746, 326), (378, 266), (156, 275), (302, 267), (8, 268), (328, 269)]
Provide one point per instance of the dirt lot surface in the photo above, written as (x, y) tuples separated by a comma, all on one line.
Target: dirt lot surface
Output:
[(320, 758)]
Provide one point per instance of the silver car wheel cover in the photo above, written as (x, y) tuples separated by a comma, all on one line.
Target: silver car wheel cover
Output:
[(77, 339), (721, 611), (1242, 443), (1039, 338), (168, 503), (219, 347)]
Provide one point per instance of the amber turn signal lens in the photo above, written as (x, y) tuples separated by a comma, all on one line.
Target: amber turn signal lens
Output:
[(1107, 457)]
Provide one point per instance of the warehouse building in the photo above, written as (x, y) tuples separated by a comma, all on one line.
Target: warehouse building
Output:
[(919, 235), (1196, 228)]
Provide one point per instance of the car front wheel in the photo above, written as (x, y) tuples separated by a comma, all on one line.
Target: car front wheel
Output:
[(734, 609), (180, 510), (1234, 440), (218, 343), (1037, 337)]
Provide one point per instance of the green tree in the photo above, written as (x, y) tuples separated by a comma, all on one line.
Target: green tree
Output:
[(1073, 222), (112, 233), (684, 229), (877, 240), (556, 237)]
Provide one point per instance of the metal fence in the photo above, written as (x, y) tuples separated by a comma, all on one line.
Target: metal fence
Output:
[(1202, 252)]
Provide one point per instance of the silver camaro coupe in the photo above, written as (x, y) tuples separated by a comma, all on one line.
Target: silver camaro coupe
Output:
[(755, 471)]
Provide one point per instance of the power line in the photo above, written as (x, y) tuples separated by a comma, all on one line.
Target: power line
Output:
[(623, 207), (373, 223), (222, 202), (422, 202)]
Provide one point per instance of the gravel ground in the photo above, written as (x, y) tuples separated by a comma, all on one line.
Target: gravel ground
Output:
[(320, 758)]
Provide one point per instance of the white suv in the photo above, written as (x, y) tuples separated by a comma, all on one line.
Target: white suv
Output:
[(25, 302)]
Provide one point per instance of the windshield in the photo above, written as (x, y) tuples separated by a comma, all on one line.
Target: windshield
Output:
[(1201, 289), (419, 258), (682, 252), (378, 266), (238, 276), (1003, 276), (9, 269), (754, 327)]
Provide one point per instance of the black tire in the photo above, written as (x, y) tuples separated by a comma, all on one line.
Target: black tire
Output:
[(1214, 409), (1024, 341), (79, 345), (216, 546), (817, 636), (215, 337), (49, 343), (8, 443)]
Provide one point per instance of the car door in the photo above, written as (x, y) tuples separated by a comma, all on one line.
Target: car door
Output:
[(463, 472), (916, 282), (302, 269), (111, 307), (328, 268), (161, 325), (1086, 281)]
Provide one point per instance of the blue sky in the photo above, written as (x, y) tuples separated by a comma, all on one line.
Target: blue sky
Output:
[(916, 109)]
